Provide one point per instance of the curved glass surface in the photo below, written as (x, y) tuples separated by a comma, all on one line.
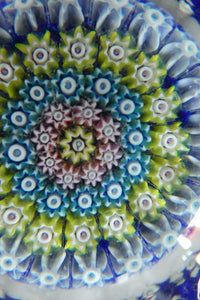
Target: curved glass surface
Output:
[(99, 149)]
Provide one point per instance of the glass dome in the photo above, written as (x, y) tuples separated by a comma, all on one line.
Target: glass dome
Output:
[(99, 149)]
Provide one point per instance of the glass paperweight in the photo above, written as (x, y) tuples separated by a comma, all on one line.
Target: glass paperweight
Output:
[(99, 149)]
